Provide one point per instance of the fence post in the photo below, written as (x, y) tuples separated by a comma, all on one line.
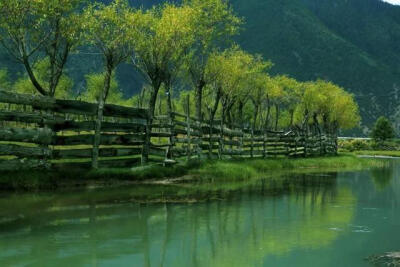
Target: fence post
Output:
[(241, 141), (221, 140), (46, 147), (188, 135), (146, 143), (305, 143), (264, 144), (210, 134), (252, 142)]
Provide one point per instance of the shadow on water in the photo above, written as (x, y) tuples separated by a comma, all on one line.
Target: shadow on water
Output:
[(235, 224)]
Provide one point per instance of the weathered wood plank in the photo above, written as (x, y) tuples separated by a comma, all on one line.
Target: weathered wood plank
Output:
[(87, 153), (24, 151), (23, 164), (184, 132), (27, 117), (157, 151), (105, 139), (162, 125), (232, 143), (185, 140), (70, 106), (161, 134), (116, 163), (41, 102), (106, 126), (37, 136)]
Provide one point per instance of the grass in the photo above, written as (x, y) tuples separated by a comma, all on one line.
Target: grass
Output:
[(241, 170), (193, 171)]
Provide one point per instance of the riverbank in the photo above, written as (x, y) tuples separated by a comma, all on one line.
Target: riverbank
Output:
[(378, 153), (192, 171)]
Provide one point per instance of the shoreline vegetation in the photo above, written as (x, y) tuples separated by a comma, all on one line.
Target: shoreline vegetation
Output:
[(194, 171)]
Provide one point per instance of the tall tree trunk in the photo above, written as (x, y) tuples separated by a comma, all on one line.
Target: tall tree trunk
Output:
[(32, 77), (229, 116), (170, 114), (169, 100), (100, 109), (276, 116), (255, 115), (240, 112), (199, 99), (291, 118), (152, 105), (213, 111), (267, 118)]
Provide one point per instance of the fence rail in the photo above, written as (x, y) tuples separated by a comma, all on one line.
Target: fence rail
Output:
[(42, 132)]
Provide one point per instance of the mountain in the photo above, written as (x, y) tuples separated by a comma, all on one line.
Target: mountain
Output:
[(354, 43)]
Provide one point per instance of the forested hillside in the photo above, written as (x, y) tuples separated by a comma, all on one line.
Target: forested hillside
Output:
[(354, 43)]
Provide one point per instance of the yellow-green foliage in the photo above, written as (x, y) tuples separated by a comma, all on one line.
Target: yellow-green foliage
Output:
[(95, 84), (24, 85), (331, 103), (41, 33)]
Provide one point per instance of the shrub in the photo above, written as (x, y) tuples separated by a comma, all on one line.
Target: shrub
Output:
[(383, 130), (354, 145)]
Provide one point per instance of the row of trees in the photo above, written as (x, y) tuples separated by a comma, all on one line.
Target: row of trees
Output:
[(172, 45)]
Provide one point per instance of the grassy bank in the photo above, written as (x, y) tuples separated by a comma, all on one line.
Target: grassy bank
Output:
[(193, 171), (258, 167)]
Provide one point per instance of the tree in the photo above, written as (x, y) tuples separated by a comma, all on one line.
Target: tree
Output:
[(291, 94), (108, 27), (32, 29), (215, 24), (163, 36), (382, 130), (326, 104), (95, 86), (24, 84)]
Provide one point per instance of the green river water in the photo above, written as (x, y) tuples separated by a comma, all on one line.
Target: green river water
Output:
[(316, 219)]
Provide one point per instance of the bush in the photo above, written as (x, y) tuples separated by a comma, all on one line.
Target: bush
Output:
[(354, 145), (383, 130)]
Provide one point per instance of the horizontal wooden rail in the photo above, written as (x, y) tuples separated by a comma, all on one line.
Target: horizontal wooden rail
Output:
[(38, 135), (24, 151), (87, 153), (105, 139), (70, 106)]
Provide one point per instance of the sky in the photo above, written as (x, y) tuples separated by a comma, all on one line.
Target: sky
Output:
[(394, 2)]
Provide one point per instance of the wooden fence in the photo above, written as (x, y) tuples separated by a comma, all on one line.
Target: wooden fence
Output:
[(42, 132)]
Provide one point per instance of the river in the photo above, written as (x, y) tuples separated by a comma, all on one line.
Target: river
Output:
[(314, 219)]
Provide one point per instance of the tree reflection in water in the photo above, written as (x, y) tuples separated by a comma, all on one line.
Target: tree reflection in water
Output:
[(239, 224), (381, 177)]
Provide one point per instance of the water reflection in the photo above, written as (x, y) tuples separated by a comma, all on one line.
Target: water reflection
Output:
[(382, 177), (239, 224)]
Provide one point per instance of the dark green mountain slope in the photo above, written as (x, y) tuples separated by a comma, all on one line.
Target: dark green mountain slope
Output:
[(354, 43), (305, 39)]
